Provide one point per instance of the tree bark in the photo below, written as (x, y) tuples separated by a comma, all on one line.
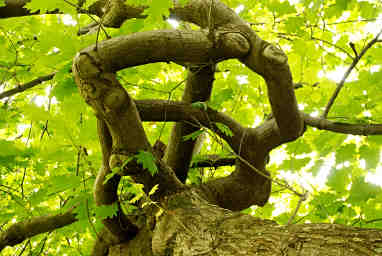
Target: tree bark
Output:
[(191, 226)]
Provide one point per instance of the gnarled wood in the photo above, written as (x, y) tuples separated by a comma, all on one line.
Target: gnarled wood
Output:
[(191, 226)]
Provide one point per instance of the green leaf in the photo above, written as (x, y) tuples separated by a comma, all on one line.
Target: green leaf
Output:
[(281, 8), (224, 129), (362, 191), (368, 10), (36, 113), (51, 5), (295, 164), (298, 147), (345, 153), (325, 205), (2, 3), (63, 182), (8, 148), (193, 136), (371, 155), (116, 170), (154, 189), (342, 4), (65, 85), (147, 159), (110, 175), (222, 96), (338, 180), (294, 24), (106, 211), (316, 167), (199, 105), (90, 2)]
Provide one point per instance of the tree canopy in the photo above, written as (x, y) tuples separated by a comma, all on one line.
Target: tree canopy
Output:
[(110, 109)]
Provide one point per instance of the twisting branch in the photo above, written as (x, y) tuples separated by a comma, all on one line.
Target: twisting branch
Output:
[(347, 73), (27, 86)]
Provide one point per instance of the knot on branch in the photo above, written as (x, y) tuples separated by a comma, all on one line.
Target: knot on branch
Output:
[(86, 65), (233, 42), (274, 54)]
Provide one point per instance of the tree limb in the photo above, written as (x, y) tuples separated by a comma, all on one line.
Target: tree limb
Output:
[(105, 193), (180, 152), (345, 128), (20, 231), (214, 162), (112, 104), (26, 86), (263, 58), (185, 47)]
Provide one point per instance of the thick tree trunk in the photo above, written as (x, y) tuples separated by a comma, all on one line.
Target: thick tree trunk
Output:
[(191, 226)]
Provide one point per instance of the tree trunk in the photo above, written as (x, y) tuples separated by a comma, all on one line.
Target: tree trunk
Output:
[(190, 225)]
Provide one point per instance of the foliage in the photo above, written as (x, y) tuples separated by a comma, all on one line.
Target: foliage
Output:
[(49, 150)]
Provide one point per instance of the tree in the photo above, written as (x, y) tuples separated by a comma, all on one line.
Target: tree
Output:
[(175, 198)]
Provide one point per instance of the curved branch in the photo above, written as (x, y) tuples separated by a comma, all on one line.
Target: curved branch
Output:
[(245, 186), (164, 46), (263, 58), (106, 193), (228, 37), (113, 105), (20, 231), (172, 111)]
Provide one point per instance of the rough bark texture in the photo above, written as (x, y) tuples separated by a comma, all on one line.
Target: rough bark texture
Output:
[(192, 226)]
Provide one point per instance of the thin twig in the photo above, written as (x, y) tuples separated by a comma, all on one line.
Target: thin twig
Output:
[(90, 221), (335, 46), (22, 183), (24, 247), (302, 199), (347, 73)]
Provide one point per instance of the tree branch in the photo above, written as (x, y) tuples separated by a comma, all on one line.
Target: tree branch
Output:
[(180, 152), (105, 193), (119, 11), (94, 72), (251, 144), (20, 231), (27, 86), (345, 128), (113, 105), (185, 47), (347, 73), (214, 162), (172, 111)]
